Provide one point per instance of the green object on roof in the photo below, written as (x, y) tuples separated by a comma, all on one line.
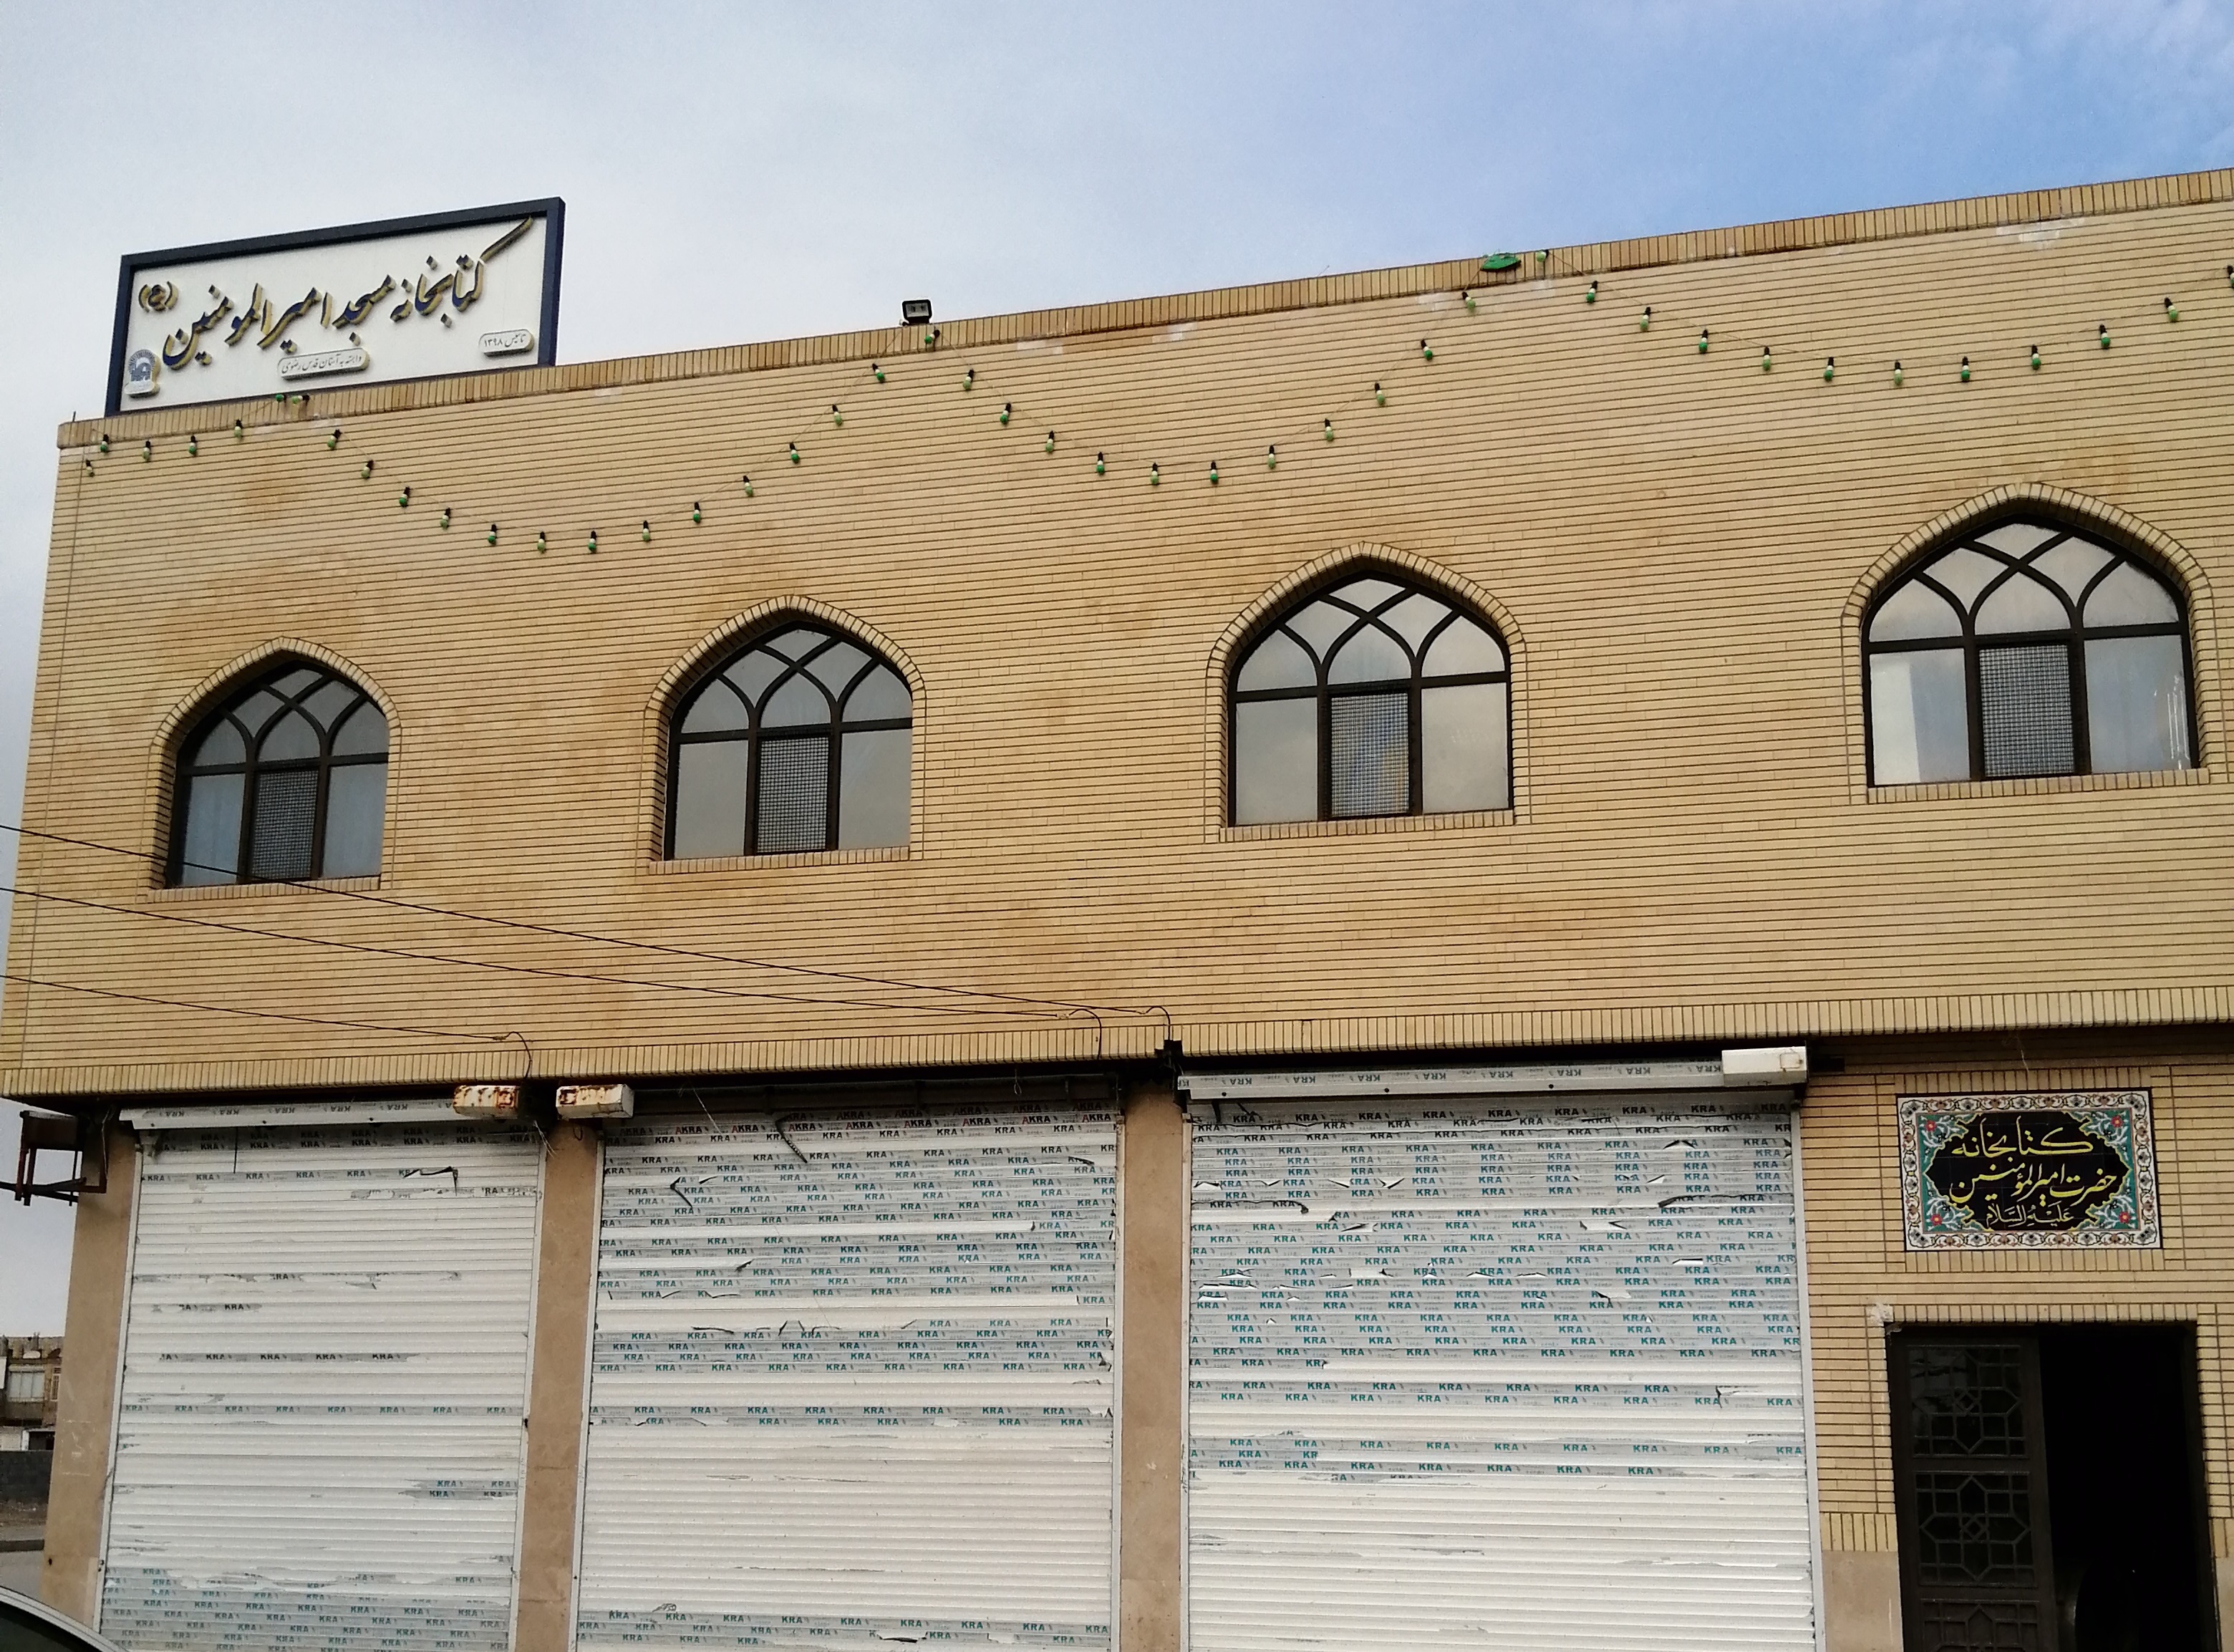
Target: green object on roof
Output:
[(1497, 261)]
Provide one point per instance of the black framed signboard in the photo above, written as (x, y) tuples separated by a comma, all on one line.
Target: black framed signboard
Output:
[(406, 298)]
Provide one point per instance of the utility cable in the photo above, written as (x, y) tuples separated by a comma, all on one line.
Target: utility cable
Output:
[(261, 1015), (511, 969), (603, 940)]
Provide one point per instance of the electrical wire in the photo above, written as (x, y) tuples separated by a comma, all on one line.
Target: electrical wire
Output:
[(511, 969), (606, 940), (260, 1015)]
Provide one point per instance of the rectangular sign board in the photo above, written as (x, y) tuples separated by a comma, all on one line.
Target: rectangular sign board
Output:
[(409, 298)]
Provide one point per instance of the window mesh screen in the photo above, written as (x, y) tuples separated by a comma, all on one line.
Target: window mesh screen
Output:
[(795, 795), (286, 813), (2024, 699), (1370, 755)]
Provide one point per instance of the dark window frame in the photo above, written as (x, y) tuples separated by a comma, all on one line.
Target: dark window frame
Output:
[(254, 767), (2073, 637), (1407, 584), (755, 738)]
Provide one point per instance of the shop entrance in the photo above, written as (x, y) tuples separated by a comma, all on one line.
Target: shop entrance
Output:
[(2050, 1490)]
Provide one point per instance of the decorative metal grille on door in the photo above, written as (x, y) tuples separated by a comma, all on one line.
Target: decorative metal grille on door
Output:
[(1969, 1446), (852, 1381), (1509, 1377), (325, 1368)]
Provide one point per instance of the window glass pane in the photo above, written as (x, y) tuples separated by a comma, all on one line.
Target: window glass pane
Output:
[(357, 797), (794, 643), (365, 734), (1276, 760), (292, 739), (797, 702), (1368, 594), (872, 789), (881, 694), (1370, 758), (296, 681), (1965, 574), (2136, 704), (2128, 597), (2071, 565), (1463, 763), (257, 711), (1912, 611), (754, 673), (1372, 655), (1919, 718), (329, 701), (2024, 704), (1279, 662), (2017, 538), (1414, 617), (1464, 647), (2022, 604), (710, 799), (211, 852), (838, 665), (716, 710), (1319, 625), (286, 813), (222, 744), (795, 795)]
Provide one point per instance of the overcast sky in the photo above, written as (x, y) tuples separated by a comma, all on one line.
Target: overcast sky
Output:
[(737, 172)]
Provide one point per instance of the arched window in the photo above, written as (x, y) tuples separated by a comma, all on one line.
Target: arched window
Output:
[(801, 742), (1372, 697), (2027, 649), (287, 779)]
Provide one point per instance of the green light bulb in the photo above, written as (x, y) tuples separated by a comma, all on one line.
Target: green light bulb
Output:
[(1100, 465), (697, 515)]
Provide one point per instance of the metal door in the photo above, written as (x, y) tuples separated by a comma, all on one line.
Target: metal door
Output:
[(1970, 1466), (1495, 1374), (852, 1381), (326, 1368)]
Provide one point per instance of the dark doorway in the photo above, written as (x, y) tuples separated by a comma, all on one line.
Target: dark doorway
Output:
[(2050, 1490)]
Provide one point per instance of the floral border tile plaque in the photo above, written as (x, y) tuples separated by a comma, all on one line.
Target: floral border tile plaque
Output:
[(2034, 1171)]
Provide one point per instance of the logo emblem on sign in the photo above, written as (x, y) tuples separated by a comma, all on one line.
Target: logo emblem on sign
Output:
[(140, 370)]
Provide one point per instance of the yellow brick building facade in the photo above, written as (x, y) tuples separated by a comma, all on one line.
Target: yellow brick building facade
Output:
[(1676, 539)]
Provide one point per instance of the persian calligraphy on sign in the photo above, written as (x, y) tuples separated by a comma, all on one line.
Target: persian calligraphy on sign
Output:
[(413, 299), (2032, 1170)]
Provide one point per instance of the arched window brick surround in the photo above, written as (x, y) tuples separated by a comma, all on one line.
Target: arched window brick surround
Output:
[(732, 637), (1355, 560), (187, 714), (2087, 516)]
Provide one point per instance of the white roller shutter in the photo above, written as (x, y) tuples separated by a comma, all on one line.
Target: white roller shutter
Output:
[(325, 1363), (852, 1381), (1474, 1374)]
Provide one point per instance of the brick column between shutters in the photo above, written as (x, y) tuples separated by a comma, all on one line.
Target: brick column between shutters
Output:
[(565, 1270)]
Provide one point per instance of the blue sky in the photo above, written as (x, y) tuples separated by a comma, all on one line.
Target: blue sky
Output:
[(746, 172)]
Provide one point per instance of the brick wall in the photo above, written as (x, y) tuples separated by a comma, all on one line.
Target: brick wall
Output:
[(1675, 544)]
